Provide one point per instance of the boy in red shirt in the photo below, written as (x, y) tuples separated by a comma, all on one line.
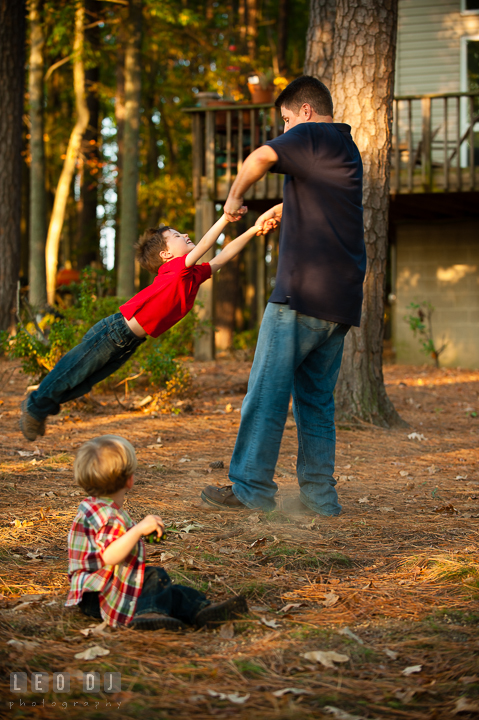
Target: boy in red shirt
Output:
[(113, 340)]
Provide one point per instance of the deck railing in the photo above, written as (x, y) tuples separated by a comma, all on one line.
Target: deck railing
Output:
[(435, 145)]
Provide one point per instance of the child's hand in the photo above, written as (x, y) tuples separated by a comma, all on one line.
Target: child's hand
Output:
[(150, 524)]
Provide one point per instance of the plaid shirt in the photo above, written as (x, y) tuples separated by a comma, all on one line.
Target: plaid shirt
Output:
[(99, 521)]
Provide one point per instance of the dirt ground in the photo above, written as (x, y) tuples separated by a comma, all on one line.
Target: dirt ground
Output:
[(391, 586)]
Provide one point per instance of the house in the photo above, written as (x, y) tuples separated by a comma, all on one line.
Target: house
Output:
[(435, 213)]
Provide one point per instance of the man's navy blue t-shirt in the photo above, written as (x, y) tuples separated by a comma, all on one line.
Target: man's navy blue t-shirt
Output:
[(322, 256)]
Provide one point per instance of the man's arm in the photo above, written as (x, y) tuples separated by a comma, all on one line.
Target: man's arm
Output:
[(233, 248), (253, 169)]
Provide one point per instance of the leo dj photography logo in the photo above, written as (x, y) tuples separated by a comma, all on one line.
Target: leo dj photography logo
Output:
[(59, 683)]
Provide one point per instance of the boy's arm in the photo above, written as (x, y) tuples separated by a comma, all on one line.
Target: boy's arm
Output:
[(233, 248), (254, 167), (119, 549), (208, 240), (270, 219)]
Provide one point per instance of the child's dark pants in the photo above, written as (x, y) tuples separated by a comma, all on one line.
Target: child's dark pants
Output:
[(158, 595), (104, 349)]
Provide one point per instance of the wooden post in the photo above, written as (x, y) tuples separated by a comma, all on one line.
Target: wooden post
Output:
[(204, 219), (458, 145), (397, 153), (446, 157), (426, 144), (472, 177), (410, 148)]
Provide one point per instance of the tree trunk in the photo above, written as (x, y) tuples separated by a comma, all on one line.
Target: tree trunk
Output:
[(319, 40), (73, 149), (38, 220), (129, 185), (283, 35), (120, 127), (88, 237), (12, 61), (225, 305), (362, 89), (252, 28)]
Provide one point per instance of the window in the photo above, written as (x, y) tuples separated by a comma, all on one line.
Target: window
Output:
[(470, 6)]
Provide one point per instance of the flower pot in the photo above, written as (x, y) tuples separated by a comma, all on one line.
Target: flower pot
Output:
[(259, 95)]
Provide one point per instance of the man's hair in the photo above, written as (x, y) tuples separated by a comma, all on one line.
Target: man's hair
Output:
[(103, 465), (149, 246), (306, 89)]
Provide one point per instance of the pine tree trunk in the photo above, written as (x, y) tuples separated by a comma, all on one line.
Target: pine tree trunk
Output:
[(73, 149), (283, 18), (362, 89), (319, 40), (129, 184), (88, 236), (252, 28), (120, 127), (12, 61), (38, 220)]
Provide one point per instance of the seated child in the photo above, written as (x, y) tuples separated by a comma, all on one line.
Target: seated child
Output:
[(108, 577), (113, 340)]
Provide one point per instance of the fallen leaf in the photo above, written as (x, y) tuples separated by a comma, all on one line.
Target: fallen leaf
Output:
[(403, 473), (252, 519), (227, 631), (270, 623), (290, 606), (229, 408), (463, 704), (446, 509), (432, 469), (35, 555), (326, 657), (349, 633), (184, 459), (330, 599), (23, 644), (259, 541), (91, 653), (232, 697), (341, 714), (468, 679), (461, 477), (411, 669), (190, 528), (391, 653), (416, 436), (166, 556), (292, 691), (363, 500), (386, 509), (21, 606), (95, 630)]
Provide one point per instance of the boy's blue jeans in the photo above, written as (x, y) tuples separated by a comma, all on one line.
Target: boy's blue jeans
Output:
[(299, 355), (104, 349)]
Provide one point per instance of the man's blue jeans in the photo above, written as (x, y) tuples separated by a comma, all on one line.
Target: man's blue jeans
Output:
[(104, 349), (299, 355)]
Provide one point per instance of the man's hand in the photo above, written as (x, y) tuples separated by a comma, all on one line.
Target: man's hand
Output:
[(270, 220), (234, 209)]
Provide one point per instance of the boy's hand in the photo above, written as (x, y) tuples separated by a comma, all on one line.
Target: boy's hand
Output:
[(234, 209), (268, 221), (150, 524)]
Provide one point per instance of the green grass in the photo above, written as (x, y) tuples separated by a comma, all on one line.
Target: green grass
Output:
[(249, 669)]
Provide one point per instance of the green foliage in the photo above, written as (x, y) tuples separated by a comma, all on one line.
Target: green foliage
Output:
[(41, 348), (420, 322)]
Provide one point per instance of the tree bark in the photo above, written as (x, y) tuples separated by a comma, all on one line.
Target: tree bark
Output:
[(283, 35), (362, 89), (12, 60), (120, 127), (88, 237), (252, 28), (319, 40), (129, 185), (73, 149), (38, 219)]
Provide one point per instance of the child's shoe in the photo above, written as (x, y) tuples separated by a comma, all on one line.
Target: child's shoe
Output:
[(216, 613), (30, 426), (155, 621)]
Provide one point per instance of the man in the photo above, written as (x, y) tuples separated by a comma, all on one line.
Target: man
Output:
[(317, 297)]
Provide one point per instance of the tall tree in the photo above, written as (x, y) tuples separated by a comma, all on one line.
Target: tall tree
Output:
[(283, 13), (364, 52), (129, 184), (88, 239), (73, 149), (12, 60), (319, 40), (38, 220)]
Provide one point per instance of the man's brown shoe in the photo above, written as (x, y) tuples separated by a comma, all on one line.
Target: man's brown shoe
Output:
[(30, 426), (222, 497)]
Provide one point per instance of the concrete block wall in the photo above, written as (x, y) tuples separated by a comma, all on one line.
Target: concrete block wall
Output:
[(438, 263)]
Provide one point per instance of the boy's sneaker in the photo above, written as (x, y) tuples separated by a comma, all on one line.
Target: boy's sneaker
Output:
[(30, 426), (217, 613), (155, 621)]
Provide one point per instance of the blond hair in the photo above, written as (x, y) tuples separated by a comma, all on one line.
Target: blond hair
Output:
[(103, 465)]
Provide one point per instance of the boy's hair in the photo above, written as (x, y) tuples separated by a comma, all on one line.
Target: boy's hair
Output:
[(103, 465), (149, 246), (306, 89)]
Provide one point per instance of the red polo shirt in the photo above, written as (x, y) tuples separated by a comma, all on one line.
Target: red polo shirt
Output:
[(169, 298)]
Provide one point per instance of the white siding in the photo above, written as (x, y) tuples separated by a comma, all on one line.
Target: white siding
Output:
[(429, 45)]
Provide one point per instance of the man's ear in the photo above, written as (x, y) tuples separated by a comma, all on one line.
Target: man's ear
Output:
[(306, 111)]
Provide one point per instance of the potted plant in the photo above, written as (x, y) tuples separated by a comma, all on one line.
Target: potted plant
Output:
[(261, 87)]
